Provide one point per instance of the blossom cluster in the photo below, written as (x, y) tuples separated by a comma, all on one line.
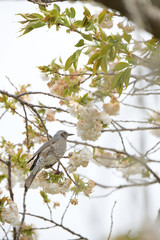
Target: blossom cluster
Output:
[(55, 188), (127, 28), (10, 214), (90, 121), (51, 187), (89, 189), (50, 115), (113, 107), (64, 86), (117, 161), (79, 159)]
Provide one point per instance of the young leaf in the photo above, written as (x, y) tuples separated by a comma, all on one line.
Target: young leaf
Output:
[(104, 64), (57, 8), (87, 36), (120, 66), (54, 13), (127, 74), (116, 80), (69, 62), (31, 25), (103, 35), (93, 57), (86, 12), (119, 88), (80, 43), (104, 50), (112, 53), (127, 37), (96, 66), (72, 59), (101, 16), (72, 12)]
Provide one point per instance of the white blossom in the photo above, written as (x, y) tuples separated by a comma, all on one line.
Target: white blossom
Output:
[(44, 77), (107, 23), (79, 159), (55, 188), (90, 121), (105, 118), (10, 214), (135, 169), (75, 108)]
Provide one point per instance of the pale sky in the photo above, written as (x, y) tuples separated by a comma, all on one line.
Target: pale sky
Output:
[(19, 57)]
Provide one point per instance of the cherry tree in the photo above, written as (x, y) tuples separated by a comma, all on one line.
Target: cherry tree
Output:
[(110, 69)]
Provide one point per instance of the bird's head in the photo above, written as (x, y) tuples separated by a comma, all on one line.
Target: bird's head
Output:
[(63, 134)]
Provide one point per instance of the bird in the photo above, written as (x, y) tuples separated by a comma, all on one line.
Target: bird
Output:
[(47, 155)]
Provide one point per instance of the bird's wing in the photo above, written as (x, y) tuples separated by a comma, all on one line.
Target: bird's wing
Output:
[(44, 146)]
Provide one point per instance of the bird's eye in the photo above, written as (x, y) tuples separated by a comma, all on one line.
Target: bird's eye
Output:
[(63, 134)]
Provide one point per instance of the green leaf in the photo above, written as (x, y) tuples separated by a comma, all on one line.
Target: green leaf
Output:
[(116, 80), (69, 62), (104, 50), (72, 12), (77, 23), (45, 197), (31, 25), (127, 74), (32, 16), (120, 66), (80, 43), (96, 66), (72, 59), (53, 13), (103, 35), (101, 16), (89, 50), (84, 99), (104, 64), (86, 12), (93, 57), (112, 53), (57, 8), (43, 10), (119, 88), (127, 37), (87, 36)]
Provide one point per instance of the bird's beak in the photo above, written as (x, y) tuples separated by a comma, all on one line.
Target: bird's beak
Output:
[(70, 134)]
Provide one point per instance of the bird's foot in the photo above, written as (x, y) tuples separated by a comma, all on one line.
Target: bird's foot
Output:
[(56, 172)]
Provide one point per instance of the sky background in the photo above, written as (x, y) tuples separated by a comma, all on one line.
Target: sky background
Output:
[(19, 58)]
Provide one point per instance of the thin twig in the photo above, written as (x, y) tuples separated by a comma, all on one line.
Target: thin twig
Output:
[(23, 215), (26, 124), (9, 178), (120, 135), (57, 225), (3, 114), (12, 83), (65, 211), (50, 211), (10, 190), (31, 106), (111, 221), (67, 173), (42, 93), (6, 236), (6, 163)]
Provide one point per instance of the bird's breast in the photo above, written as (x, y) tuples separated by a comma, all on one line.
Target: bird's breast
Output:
[(55, 152)]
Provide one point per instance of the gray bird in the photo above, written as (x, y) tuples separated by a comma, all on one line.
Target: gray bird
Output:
[(47, 155)]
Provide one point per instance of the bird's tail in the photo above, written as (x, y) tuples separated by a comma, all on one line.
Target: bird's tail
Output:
[(31, 177)]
